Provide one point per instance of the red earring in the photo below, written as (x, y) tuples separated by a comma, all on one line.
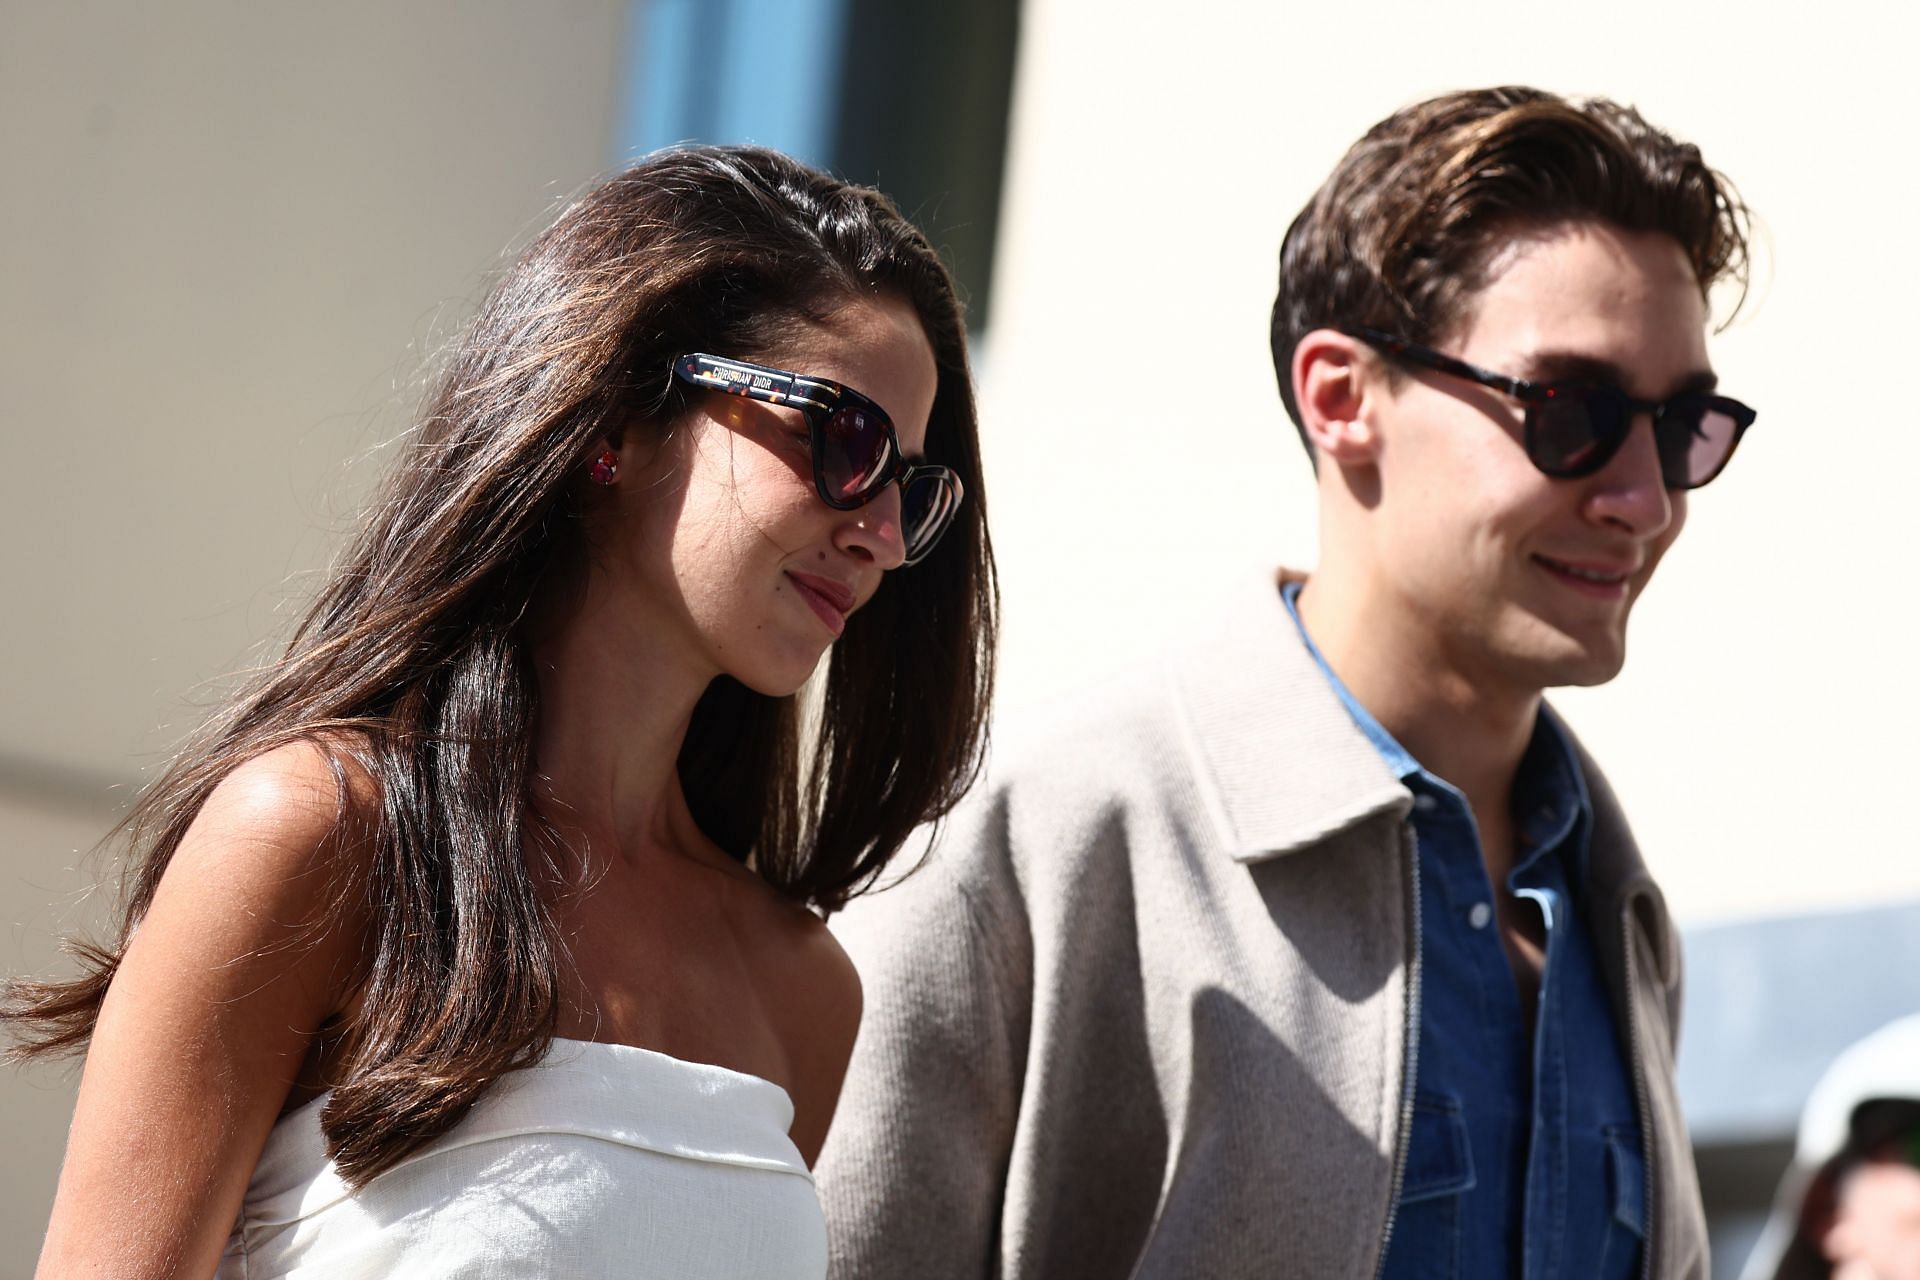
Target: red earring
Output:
[(606, 468)]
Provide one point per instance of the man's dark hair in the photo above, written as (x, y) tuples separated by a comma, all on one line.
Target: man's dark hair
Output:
[(1400, 236)]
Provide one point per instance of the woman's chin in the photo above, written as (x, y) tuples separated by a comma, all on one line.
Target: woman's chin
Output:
[(782, 681)]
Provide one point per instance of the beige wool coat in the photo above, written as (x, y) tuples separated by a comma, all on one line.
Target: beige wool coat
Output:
[(1148, 1006)]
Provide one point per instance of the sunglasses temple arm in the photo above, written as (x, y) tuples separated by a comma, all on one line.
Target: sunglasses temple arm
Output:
[(747, 380), (1518, 388), (1415, 354)]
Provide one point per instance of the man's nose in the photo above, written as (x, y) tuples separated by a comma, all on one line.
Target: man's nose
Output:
[(1630, 492)]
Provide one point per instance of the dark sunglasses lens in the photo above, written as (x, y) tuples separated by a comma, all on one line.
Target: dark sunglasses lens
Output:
[(927, 504), (1695, 441), (1574, 436), (858, 452)]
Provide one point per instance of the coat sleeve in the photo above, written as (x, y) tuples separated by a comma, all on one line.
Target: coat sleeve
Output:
[(914, 1168)]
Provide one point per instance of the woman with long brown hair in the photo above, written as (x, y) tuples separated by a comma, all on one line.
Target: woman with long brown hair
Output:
[(482, 934)]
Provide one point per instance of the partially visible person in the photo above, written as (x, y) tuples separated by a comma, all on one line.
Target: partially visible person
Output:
[(1849, 1206), (482, 935), (1322, 948)]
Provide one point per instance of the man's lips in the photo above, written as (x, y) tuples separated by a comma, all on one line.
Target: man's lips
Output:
[(1605, 579), (833, 601)]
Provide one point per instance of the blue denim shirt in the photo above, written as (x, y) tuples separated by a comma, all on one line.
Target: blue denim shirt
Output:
[(1523, 1160)]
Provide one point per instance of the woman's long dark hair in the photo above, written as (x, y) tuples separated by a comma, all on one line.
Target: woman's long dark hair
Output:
[(412, 663)]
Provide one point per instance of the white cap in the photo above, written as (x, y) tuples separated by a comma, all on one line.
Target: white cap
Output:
[(1884, 1065)]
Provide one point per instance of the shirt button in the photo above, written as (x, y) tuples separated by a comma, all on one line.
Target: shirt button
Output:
[(1480, 915), (1424, 803)]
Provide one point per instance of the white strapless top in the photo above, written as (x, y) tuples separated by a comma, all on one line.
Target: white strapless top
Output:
[(603, 1160)]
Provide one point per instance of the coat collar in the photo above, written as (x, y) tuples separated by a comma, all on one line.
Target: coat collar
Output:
[(1281, 766), (1279, 761)]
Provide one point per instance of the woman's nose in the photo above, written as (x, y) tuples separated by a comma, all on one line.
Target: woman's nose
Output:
[(873, 532)]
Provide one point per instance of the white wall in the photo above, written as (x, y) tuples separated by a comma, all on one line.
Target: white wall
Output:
[(1157, 159), (229, 237), (48, 883)]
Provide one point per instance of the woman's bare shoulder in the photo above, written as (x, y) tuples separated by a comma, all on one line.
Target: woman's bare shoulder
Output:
[(814, 992), (249, 944), (809, 951), (280, 837), (800, 956), (315, 789)]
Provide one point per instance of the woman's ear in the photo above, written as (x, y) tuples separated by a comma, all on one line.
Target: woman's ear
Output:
[(606, 459), (605, 470), (1332, 375)]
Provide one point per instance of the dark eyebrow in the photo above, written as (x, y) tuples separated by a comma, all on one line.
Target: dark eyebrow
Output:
[(1571, 366)]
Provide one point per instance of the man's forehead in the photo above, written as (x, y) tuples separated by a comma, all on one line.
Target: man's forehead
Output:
[(1589, 300)]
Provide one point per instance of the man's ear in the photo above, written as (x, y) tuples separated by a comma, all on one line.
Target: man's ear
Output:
[(1331, 377)]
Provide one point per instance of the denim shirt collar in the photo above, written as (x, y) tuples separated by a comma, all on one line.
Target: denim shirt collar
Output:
[(1396, 757), (1550, 800)]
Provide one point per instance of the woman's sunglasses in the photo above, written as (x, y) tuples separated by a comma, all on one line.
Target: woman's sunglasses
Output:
[(856, 452), (1574, 429)]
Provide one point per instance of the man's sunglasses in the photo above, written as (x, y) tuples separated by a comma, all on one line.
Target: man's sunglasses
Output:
[(856, 452), (1574, 428)]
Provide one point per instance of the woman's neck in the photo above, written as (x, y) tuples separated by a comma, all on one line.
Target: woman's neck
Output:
[(615, 703)]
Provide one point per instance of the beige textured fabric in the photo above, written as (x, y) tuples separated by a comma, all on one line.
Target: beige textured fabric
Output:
[(1144, 1009)]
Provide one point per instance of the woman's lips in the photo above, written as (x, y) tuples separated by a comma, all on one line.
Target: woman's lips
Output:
[(829, 599)]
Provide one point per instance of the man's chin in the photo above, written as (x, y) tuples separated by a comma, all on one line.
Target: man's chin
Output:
[(1556, 660), (1582, 667), (1544, 651), (1587, 678)]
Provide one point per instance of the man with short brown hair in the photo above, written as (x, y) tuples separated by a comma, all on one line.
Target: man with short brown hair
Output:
[(1323, 949)]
